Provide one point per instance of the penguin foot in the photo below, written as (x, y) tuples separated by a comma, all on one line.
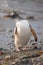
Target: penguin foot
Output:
[(25, 48), (17, 50)]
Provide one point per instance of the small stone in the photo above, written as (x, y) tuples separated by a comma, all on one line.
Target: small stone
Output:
[(32, 59), (37, 59), (1, 53), (1, 48), (41, 63), (35, 47), (40, 52), (10, 31), (13, 63), (12, 36), (7, 57), (41, 56)]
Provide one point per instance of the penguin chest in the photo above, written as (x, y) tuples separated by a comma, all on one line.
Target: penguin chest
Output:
[(23, 34)]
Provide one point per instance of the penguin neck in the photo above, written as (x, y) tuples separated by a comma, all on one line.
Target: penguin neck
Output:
[(19, 19)]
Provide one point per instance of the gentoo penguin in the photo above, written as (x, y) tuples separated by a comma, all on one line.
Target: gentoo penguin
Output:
[(22, 33), (23, 30)]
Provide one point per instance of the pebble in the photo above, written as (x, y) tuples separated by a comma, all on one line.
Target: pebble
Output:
[(24, 62), (13, 63), (41, 63), (7, 58), (1, 53), (35, 46), (12, 36), (10, 30)]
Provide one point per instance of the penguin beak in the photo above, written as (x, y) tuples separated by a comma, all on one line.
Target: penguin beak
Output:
[(6, 16)]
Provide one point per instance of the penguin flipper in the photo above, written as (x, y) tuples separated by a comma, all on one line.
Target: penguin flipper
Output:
[(33, 33)]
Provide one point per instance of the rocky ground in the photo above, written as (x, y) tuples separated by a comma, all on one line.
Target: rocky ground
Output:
[(32, 56)]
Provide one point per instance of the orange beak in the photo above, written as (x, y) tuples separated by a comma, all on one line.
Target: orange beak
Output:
[(6, 16)]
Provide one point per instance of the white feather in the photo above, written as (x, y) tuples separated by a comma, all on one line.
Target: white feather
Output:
[(24, 33)]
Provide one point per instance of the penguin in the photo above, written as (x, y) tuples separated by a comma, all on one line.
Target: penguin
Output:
[(22, 33)]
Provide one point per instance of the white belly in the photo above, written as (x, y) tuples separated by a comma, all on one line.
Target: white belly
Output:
[(24, 33)]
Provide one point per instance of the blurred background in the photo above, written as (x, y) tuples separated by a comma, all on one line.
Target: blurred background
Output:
[(24, 8)]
